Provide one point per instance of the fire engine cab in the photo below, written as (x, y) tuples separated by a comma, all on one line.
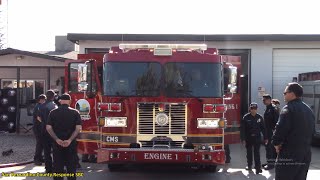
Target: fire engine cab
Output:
[(156, 103)]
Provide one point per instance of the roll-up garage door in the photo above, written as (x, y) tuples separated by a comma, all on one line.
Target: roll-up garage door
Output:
[(288, 63)]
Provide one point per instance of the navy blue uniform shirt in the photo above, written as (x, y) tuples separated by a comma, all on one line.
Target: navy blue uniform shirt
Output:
[(295, 127), (271, 117), (252, 126)]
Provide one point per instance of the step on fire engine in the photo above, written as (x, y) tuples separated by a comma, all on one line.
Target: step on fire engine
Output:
[(156, 103)]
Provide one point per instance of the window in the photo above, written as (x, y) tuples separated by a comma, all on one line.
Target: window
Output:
[(29, 89), (132, 79), (96, 50), (73, 78), (192, 79)]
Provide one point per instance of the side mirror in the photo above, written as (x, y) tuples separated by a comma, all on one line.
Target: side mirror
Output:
[(82, 77), (82, 72), (232, 86)]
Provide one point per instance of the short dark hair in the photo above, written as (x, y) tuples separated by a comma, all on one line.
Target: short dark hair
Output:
[(41, 96), (50, 94), (276, 101), (65, 96), (267, 96), (296, 88)]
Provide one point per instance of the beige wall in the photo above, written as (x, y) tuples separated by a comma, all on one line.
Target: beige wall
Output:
[(54, 76), (8, 73), (11, 60), (38, 70)]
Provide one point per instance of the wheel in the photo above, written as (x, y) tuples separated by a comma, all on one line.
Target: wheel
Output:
[(195, 168), (114, 167), (211, 168)]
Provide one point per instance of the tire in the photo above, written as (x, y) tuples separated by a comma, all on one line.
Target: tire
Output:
[(211, 168), (114, 167), (195, 168)]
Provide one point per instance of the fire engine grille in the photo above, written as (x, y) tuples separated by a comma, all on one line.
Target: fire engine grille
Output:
[(147, 114), (171, 144)]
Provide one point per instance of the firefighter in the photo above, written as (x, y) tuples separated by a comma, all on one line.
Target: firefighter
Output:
[(64, 124), (277, 103), (57, 98), (44, 111), (293, 135), (251, 128), (227, 151), (57, 102), (38, 159), (270, 117)]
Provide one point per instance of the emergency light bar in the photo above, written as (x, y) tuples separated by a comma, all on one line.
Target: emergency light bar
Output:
[(155, 47)]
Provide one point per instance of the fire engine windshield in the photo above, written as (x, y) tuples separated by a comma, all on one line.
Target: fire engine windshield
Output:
[(192, 79), (179, 79), (132, 79)]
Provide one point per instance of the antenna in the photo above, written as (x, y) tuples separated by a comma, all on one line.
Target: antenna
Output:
[(8, 23), (4, 12)]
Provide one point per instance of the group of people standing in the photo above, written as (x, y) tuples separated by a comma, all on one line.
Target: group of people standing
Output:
[(286, 134), (56, 129)]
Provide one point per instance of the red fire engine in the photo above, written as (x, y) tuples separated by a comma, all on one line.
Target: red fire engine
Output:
[(156, 103)]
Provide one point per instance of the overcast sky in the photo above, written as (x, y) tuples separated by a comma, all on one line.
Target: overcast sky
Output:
[(32, 24)]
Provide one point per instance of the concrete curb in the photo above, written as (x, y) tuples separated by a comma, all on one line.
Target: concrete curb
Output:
[(15, 164)]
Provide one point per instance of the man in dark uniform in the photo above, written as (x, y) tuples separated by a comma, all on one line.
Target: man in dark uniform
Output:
[(293, 135), (44, 111), (227, 153), (251, 128), (64, 124), (38, 159), (57, 102), (270, 120)]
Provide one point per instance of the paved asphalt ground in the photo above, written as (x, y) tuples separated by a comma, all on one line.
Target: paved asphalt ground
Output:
[(235, 170)]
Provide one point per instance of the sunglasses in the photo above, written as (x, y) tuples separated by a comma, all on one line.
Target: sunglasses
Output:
[(254, 108)]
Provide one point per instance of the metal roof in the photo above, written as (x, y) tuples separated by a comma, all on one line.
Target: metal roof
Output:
[(74, 37), (32, 54), (63, 54)]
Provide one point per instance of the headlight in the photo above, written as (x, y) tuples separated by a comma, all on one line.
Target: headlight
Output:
[(115, 122), (208, 122)]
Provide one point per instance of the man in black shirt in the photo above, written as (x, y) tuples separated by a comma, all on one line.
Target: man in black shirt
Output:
[(293, 135), (251, 128), (64, 124), (270, 117), (38, 159), (44, 110)]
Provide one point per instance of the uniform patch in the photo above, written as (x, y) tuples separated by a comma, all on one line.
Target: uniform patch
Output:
[(284, 111), (259, 120)]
